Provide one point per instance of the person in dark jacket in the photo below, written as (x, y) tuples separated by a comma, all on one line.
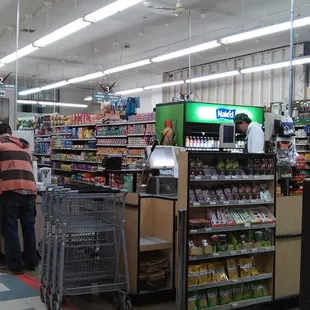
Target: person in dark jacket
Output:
[(17, 201)]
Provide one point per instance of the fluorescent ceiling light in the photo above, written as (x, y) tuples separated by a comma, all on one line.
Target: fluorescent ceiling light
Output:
[(90, 98), (213, 76), (187, 51), (27, 101), (29, 91), (1, 65), (128, 66), (61, 104), (21, 53), (86, 77), (278, 65), (130, 91), (302, 22), (164, 85), (110, 9), (301, 61), (61, 32), (55, 85)]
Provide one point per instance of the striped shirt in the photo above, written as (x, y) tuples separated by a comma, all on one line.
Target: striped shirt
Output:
[(16, 166)]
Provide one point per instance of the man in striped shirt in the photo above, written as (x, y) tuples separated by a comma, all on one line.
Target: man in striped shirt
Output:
[(17, 201)]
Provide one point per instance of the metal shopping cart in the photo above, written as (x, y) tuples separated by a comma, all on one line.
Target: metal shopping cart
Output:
[(88, 247)]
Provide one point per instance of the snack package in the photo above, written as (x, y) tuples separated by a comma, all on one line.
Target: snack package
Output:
[(220, 194), (206, 195), (237, 292), (212, 296), (228, 193), (248, 191), (199, 195), (257, 289), (194, 247), (246, 291), (222, 243), (211, 273), (225, 294), (242, 192), (245, 265), (254, 271), (221, 167), (265, 290), (207, 170), (256, 191), (198, 223), (203, 274), (206, 247), (191, 302), (220, 274), (235, 192), (193, 275), (213, 195), (229, 166), (202, 302), (250, 166), (192, 197), (232, 269)]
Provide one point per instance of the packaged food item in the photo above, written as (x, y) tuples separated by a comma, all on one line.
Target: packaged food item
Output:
[(206, 195), (254, 271), (232, 269), (212, 296), (229, 166), (203, 274), (211, 273), (225, 294), (192, 197), (228, 193), (267, 238), (213, 195), (248, 191), (256, 191), (242, 192), (235, 192), (207, 170), (257, 289), (237, 292), (198, 223), (221, 167), (191, 302), (245, 265), (202, 302), (220, 194), (222, 243), (246, 291), (206, 247), (250, 166), (193, 275), (199, 195), (220, 274), (265, 290), (194, 247)]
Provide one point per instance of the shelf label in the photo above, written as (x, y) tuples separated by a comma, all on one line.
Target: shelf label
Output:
[(214, 177), (252, 201), (245, 177), (196, 204), (198, 178), (254, 250), (226, 202), (244, 251), (208, 229), (234, 304), (241, 201), (216, 254), (233, 252), (247, 224), (213, 203), (227, 177), (194, 231)]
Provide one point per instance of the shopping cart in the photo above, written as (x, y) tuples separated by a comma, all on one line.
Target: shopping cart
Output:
[(86, 247)]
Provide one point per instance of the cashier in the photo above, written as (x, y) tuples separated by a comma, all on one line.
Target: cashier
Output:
[(254, 141)]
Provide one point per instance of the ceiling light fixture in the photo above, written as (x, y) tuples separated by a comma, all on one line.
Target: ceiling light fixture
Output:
[(86, 77), (60, 104), (130, 91), (278, 65), (55, 85), (62, 32), (90, 98), (29, 91), (27, 101), (301, 61), (1, 65), (128, 66), (213, 76), (187, 51), (21, 53), (110, 10), (174, 83)]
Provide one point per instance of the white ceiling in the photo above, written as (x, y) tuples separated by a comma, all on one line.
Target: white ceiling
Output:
[(101, 46)]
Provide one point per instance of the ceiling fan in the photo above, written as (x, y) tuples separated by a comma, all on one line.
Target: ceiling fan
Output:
[(178, 10)]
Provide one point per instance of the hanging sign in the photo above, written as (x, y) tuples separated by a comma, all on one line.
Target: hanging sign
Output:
[(220, 113), (98, 96)]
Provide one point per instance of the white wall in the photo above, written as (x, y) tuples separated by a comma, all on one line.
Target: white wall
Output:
[(253, 89)]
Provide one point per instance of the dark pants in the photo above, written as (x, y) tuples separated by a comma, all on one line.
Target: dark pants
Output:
[(14, 206)]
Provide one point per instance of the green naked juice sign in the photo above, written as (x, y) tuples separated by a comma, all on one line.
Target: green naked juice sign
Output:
[(220, 113)]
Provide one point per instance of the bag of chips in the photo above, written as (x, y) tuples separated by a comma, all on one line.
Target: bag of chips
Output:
[(202, 302), (237, 292), (246, 291), (232, 269), (191, 302), (212, 296), (193, 275), (245, 267), (220, 274), (225, 294), (203, 274)]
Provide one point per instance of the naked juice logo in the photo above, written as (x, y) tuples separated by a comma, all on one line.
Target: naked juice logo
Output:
[(228, 114)]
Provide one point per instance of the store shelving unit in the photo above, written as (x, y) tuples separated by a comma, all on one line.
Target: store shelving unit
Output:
[(219, 231)]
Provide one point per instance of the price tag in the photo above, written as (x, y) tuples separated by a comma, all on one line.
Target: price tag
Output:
[(254, 250), (198, 178), (213, 203), (235, 177), (234, 304), (252, 201), (247, 224), (216, 254), (196, 204), (208, 229), (245, 177), (214, 177), (194, 231), (235, 281), (233, 252), (226, 202), (243, 251), (241, 202), (257, 177), (227, 177)]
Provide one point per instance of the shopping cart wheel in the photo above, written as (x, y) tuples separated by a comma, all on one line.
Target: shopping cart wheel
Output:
[(126, 303)]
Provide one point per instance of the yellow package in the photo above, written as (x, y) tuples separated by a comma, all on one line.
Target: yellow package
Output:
[(220, 274), (232, 269), (206, 247), (245, 267), (193, 274), (254, 271), (193, 249), (211, 273), (203, 274)]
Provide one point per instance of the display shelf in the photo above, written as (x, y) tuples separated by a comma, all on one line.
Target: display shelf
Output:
[(111, 137), (139, 134), (141, 122), (42, 136), (91, 139), (231, 228), (264, 276), (43, 165), (241, 304), (75, 170), (136, 146), (113, 124), (61, 134), (232, 253), (231, 178), (77, 161), (135, 156), (113, 145), (151, 243), (84, 150), (301, 137), (80, 125), (41, 154), (234, 203)]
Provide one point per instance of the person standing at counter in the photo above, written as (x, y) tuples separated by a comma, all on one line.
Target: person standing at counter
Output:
[(254, 141), (17, 201)]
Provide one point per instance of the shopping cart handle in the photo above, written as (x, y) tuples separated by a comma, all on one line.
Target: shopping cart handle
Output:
[(98, 189)]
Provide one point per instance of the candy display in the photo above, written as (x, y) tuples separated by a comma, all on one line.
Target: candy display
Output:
[(142, 117), (120, 130), (114, 141), (83, 156), (141, 129), (75, 119), (42, 146), (137, 141)]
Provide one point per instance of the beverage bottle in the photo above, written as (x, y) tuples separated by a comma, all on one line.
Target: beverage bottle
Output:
[(187, 141)]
